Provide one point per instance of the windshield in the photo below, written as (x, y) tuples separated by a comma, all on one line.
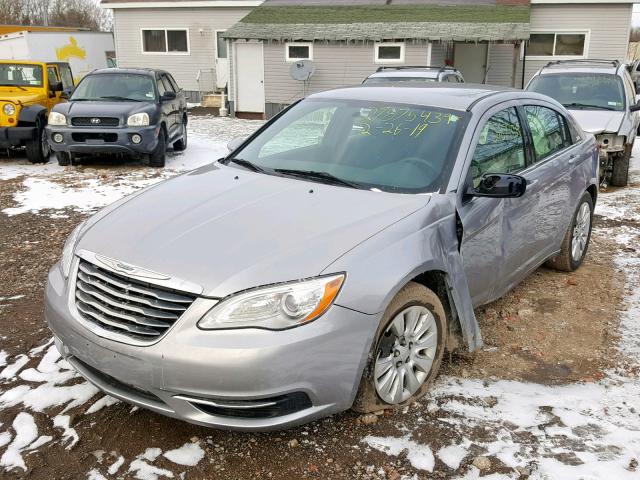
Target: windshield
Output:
[(598, 91), (116, 87), (372, 145), (20, 75), (373, 80)]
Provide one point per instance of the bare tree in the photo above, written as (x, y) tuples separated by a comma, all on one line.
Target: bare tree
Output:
[(63, 13)]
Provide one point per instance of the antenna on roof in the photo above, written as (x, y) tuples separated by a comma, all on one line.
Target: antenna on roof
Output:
[(302, 70)]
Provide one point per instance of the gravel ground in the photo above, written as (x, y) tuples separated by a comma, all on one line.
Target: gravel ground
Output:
[(554, 394)]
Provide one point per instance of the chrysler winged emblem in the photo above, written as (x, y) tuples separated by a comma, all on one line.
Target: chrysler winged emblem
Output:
[(130, 270)]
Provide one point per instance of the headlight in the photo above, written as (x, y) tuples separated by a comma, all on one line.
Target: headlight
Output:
[(9, 109), (56, 118), (138, 120), (69, 249), (275, 308)]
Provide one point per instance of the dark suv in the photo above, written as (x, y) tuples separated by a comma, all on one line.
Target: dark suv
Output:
[(135, 112)]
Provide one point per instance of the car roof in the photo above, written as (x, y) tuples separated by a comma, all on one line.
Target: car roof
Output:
[(412, 72), (138, 71), (581, 66), (461, 96)]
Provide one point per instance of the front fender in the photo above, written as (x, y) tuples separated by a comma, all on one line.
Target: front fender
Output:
[(425, 241), (29, 114)]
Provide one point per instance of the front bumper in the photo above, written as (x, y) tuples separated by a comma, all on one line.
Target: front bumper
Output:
[(15, 136), (313, 370), (83, 140)]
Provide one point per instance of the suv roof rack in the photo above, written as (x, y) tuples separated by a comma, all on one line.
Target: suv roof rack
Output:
[(416, 67), (600, 61)]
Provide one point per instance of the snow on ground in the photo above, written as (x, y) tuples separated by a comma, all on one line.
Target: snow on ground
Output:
[(46, 187)]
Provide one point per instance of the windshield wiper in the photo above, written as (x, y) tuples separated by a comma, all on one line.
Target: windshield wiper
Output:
[(587, 106), (116, 97), (247, 164), (324, 177)]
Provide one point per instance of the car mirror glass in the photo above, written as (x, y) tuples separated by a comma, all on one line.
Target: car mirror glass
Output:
[(499, 185), (235, 143)]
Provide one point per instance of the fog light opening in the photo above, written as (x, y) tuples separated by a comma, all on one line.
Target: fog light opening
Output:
[(135, 138), (58, 138)]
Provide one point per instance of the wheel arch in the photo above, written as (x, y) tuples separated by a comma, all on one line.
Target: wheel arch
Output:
[(30, 114)]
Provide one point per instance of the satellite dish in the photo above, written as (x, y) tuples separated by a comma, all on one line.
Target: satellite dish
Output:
[(302, 70)]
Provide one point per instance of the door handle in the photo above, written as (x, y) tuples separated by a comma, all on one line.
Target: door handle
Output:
[(573, 159)]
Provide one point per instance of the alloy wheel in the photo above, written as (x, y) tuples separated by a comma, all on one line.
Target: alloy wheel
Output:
[(405, 354), (581, 232)]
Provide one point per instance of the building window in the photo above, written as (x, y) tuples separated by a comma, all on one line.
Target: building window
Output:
[(221, 45), (389, 53), (171, 41), (299, 51), (573, 45)]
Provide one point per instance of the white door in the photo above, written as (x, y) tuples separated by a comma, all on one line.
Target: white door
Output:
[(222, 61), (249, 77), (471, 60)]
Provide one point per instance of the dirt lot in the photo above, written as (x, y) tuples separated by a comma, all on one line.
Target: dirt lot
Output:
[(552, 395)]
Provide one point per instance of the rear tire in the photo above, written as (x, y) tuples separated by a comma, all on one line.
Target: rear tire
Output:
[(620, 173), (571, 253), (38, 148), (157, 158), (64, 158), (411, 347), (181, 145)]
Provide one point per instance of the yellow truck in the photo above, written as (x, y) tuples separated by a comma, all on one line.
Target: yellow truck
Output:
[(28, 92)]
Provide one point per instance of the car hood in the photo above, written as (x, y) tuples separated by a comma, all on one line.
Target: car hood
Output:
[(598, 121), (227, 229), (102, 109), (18, 96)]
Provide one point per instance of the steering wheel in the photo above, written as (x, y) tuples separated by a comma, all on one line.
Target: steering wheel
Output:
[(424, 165)]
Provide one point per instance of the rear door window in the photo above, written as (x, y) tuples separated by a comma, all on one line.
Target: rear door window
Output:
[(500, 147), (549, 131)]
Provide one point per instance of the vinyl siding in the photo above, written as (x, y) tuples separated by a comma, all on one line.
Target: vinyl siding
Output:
[(337, 65), (127, 25), (609, 25)]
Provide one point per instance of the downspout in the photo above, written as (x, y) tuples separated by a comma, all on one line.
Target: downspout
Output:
[(524, 61)]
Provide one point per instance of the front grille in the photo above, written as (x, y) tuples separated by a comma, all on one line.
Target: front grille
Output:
[(82, 137), (95, 122), (130, 307)]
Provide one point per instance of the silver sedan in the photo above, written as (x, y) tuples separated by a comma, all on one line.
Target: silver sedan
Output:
[(329, 260)]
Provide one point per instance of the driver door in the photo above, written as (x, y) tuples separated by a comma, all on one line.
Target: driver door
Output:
[(498, 147), (53, 77)]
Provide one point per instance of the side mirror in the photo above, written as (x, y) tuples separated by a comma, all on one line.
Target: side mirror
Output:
[(235, 143), (499, 185), (56, 87), (66, 94), (168, 96), (635, 108)]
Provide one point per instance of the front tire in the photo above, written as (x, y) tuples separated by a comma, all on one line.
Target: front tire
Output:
[(64, 158), (406, 353), (157, 158), (576, 241), (620, 173), (38, 148)]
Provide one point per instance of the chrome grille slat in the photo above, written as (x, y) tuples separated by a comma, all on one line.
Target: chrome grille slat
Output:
[(127, 306), (149, 312), (101, 285), (125, 285), (117, 324), (148, 322)]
